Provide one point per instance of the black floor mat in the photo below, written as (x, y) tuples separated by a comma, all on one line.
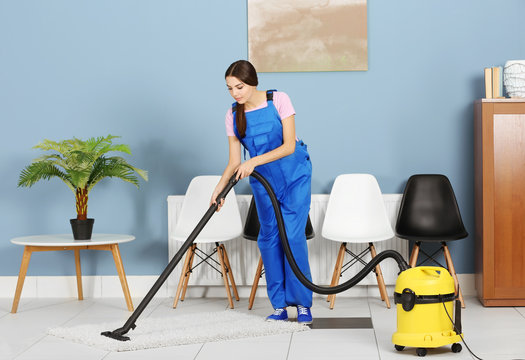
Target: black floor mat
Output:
[(341, 323)]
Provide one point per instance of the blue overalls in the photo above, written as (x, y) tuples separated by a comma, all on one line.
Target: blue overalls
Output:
[(290, 178)]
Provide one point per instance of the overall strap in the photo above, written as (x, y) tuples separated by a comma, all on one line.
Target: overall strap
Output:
[(269, 94)]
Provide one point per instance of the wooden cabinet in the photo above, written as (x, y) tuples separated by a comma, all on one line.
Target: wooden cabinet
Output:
[(499, 171)]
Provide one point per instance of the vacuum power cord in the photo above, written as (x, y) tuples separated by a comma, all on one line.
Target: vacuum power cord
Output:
[(459, 333)]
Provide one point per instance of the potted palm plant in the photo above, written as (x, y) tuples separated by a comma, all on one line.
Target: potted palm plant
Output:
[(81, 165)]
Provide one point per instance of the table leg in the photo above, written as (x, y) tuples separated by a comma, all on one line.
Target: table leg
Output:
[(79, 275), (21, 277), (120, 269)]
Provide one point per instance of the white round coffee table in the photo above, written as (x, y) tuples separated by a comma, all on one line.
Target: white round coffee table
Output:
[(57, 242)]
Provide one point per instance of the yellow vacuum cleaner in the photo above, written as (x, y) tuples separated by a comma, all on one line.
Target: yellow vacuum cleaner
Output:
[(425, 296)]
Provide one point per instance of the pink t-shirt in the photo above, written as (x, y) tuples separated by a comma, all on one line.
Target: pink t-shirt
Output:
[(281, 102)]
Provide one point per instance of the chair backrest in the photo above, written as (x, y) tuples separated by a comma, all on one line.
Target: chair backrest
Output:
[(252, 225), (356, 211), (224, 225), (429, 211)]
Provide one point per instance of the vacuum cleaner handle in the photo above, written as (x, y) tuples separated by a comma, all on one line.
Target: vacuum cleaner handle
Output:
[(231, 183), (118, 334)]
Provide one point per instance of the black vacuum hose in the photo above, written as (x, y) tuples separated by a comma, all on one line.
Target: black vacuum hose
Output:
[(326, 290), (119, 334)]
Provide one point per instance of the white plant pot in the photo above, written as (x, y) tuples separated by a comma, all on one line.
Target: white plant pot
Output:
[(514, 78)]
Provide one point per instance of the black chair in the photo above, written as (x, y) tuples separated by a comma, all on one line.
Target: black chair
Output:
[(429, 213), (251, 232)]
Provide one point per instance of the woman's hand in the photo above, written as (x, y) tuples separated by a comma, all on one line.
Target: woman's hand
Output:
[(245, 169), (214, 197)]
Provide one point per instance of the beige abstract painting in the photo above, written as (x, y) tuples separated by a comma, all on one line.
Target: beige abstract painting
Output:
[(307, 35)]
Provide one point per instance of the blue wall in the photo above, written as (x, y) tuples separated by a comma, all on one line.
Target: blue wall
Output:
[(152, 72)]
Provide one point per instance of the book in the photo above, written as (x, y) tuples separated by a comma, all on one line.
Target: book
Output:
[(497, 82), (488, 83)]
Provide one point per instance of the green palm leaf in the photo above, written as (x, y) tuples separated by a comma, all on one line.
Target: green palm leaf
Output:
[(54, 157), (115, 167), (79, 177), (42, 170)]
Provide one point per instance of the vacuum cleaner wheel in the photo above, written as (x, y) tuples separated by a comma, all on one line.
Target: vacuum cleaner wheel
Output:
[(456, 348)]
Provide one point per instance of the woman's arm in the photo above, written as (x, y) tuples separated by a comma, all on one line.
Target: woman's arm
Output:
[(287, 148), (233, 163)]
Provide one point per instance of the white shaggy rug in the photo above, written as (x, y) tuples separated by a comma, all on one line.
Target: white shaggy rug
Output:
[(177, 330)]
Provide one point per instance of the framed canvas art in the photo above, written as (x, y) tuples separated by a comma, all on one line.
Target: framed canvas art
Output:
[(307, 35)]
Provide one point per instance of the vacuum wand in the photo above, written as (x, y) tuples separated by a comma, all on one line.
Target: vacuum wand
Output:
[(119, 334)]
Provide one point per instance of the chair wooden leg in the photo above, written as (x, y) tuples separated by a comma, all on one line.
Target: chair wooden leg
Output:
[(452, 271), (225, 276), (338, 272), (255, 283), (21, 277), (340, 257), (79, 275), (373, 253), (230, 272), (188, 272), (414, 255), (380, 279), (183, 274)]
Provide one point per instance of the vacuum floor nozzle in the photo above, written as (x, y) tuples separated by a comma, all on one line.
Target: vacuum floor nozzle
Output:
[(117, 334)]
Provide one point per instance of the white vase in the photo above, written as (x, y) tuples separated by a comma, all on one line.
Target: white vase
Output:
[(514, 78)]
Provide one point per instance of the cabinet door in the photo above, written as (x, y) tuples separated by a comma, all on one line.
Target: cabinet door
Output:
[(509, 206)]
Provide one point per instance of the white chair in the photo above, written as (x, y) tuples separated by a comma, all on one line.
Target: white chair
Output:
[(223, 226), (356, 214)]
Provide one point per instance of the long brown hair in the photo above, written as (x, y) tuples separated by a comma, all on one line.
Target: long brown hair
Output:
[(244, 71)]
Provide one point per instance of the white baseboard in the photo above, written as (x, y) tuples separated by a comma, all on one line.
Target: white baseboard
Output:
[(109, 286), (467, 283), (66, 286)]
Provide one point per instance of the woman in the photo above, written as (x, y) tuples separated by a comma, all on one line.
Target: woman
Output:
[(263, 122)]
